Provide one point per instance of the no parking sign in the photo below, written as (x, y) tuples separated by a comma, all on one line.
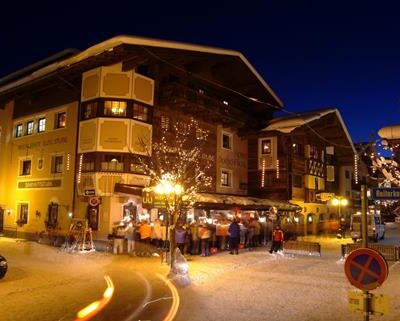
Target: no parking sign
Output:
[(366, 269), (94, 201)]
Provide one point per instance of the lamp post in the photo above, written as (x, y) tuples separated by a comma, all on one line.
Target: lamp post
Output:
[(167, 187), (340, 201)]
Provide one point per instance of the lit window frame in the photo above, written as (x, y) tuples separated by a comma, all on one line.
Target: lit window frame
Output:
[(19, 130), (30, 127), (230, 141), (228, 183), (41, 125), (61, 123), (111, 107)]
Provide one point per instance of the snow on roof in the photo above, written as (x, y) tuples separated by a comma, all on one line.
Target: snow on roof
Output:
[(242, 200), (287, 124), (110, 44)]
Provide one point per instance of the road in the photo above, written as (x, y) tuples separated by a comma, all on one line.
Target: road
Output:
[(45, 284)]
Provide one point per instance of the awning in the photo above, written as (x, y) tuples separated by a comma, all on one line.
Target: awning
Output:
[(224, 201), (128, 189)]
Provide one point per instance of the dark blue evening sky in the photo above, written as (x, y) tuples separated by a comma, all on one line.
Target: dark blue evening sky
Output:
[(313, 55)]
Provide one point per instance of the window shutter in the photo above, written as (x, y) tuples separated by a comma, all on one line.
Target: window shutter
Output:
[(330, 173)]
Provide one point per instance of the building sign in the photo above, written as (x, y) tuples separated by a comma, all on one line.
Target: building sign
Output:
[(391, 193), (51, 183), (152, 200), (40, 144)]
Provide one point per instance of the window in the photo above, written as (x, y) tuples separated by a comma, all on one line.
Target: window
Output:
[(22, 213), (227, 141), (25, 168), (57, 164), (347, 174), (136, 168), (88, 162), (112, 163), (226, 178), (41, 125), (61, 120), (165, 122), (140, 112), (29, 127), (266, 147), (115, 108), (90, 110), (18, 130)]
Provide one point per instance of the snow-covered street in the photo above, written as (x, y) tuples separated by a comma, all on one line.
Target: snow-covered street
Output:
[(45, 284)]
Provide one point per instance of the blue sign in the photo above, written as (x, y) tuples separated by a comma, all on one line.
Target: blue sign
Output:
[(386, 193)]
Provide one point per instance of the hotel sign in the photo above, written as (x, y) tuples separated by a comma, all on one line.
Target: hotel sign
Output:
[(380, 194), (153, 200), (51, 183)]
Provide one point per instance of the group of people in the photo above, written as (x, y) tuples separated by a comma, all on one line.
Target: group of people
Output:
[(192, 238)]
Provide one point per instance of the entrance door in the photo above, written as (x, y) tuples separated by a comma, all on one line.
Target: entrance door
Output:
[(1, 219)]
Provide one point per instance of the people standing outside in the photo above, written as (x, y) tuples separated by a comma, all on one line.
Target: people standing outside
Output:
[(277, 240), (180, 238), (194, 234), (234, 237), (156, 234), (119, 236), (205, 235), (222, 234), (130, 236), (251, 230), (145, 234)]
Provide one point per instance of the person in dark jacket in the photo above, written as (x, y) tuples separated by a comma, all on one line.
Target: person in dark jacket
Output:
[(234, 236)]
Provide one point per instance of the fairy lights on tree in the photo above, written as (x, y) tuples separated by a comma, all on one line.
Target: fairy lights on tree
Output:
[(178, 168)]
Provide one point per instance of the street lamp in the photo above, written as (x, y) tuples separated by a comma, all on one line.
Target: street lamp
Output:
[(167, 187), (340, 201)]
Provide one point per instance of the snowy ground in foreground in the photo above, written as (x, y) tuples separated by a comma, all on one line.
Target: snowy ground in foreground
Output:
[(260, 286), (251, 286)]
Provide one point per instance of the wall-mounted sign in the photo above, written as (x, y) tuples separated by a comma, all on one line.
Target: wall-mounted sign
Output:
[(152, 200), (50, 183), (89, 192)]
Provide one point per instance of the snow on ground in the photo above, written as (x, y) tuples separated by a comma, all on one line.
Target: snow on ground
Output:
[(250, 286)]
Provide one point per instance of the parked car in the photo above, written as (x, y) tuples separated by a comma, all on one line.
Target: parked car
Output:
[(376, 227), (3, 266)]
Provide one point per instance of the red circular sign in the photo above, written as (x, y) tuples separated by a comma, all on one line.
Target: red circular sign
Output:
[(94, 201), (366, 269)]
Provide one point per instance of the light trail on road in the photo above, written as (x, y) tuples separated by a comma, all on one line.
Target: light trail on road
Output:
[(95, 307)]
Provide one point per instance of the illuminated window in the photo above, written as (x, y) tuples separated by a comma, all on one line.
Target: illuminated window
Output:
[(25, 167), (23, 211), (61, 120), (52, 215), (18, 130), (227, 141), (112, 163), (226, 178), (266, 146), (57, 164), (115, 108), (41, 125), (140, 112), (29, 127)]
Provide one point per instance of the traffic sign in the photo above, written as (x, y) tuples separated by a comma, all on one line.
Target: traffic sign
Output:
[(366, 269), (94, 201)]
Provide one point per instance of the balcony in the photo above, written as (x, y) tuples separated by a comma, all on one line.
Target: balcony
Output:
[(198, 104)]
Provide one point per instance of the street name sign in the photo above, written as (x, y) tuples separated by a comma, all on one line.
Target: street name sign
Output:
[(366, 269), (386, 193)]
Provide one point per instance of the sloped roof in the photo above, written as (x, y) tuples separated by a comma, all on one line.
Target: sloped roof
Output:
[(287, 124), (110, 44)]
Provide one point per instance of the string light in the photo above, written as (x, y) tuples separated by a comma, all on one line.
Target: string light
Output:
[(356, 168), (277, 168), (80, 168), (263, 173)]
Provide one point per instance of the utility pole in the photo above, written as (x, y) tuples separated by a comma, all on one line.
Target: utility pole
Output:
[(364, 229)]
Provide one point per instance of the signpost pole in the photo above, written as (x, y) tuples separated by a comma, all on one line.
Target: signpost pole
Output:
[(364, 227)]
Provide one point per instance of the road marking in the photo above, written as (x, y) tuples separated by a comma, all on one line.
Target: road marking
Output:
[(175, 298)]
